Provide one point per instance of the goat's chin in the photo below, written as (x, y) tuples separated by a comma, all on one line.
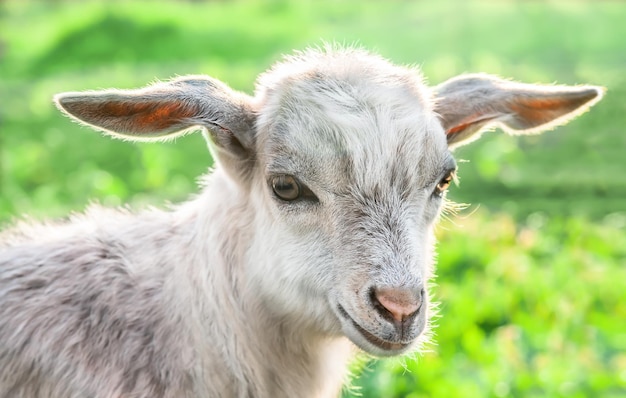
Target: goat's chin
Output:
[(379, 348)]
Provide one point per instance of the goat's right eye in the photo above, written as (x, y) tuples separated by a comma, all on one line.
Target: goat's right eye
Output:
[(286, 187), (443, 185)]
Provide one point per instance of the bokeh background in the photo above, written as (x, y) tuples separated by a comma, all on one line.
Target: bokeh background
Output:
[(532, 277)]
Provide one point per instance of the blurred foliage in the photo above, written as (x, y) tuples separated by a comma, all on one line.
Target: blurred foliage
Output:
[(532, 305)]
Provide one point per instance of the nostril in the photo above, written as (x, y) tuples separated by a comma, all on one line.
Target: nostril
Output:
[(397, 304)]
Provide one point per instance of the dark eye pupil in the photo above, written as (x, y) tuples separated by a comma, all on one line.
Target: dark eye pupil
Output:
[(444, 185), (286, 187)]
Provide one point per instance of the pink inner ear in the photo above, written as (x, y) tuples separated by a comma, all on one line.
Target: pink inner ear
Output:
[(150, 116), (459, 127), (475, 120), (535, 111)]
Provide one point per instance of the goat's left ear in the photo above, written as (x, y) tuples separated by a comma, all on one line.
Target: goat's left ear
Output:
[(469, 104), (170, 109)]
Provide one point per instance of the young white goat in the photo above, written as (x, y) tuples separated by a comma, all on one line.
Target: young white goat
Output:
[(312, 233)]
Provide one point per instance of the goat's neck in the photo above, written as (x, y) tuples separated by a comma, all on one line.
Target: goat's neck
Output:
[(264, 355)]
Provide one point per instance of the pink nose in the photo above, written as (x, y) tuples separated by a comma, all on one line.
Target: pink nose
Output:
[(400, 303)]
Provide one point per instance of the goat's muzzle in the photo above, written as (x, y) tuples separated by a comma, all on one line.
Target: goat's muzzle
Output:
[(399, 306), (397, 317)]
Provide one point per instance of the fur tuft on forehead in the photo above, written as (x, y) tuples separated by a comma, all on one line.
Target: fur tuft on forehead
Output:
[(353, 70)]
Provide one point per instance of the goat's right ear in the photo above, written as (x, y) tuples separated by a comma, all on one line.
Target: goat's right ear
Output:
[(167, 110), (469, 104)]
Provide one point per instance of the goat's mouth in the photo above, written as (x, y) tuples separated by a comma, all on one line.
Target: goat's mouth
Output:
[(384, 345)]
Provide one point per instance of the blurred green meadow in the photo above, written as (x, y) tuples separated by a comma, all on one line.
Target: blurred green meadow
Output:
[(531, 277)]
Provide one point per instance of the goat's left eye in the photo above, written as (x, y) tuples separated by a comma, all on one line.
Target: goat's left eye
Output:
[(286, 187), (444, 184)]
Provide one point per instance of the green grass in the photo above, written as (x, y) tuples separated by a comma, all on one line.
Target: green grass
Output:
[(532, 302)]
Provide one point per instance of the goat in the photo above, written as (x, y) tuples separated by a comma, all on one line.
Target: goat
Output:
[(312, 236)]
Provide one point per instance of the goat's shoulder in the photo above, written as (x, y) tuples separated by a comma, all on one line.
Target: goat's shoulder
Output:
[(72, 300)]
